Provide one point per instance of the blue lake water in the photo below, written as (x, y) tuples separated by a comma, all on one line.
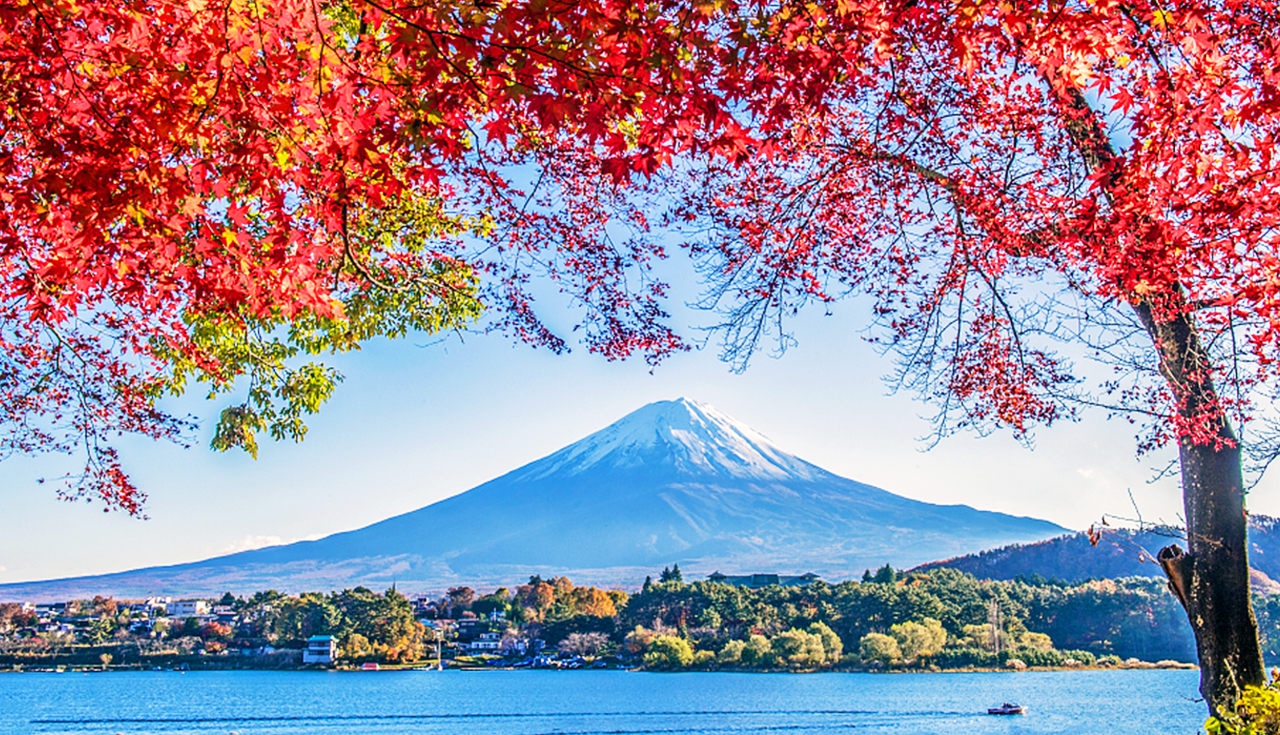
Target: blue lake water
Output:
[(536, 702)]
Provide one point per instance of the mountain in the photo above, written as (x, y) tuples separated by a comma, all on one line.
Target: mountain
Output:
[(1120, 553), (673, 482)]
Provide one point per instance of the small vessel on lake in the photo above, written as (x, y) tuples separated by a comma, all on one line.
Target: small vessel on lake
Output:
[(1008, 708)]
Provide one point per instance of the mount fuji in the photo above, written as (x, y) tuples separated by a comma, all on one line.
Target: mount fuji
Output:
[(673, 482)]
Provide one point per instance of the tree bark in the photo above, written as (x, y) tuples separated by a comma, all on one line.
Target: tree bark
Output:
[(1211, 579)]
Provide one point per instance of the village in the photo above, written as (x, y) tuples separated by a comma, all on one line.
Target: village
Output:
[(175, 629)]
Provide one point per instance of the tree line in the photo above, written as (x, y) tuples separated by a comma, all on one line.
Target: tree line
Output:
[(940, 618)]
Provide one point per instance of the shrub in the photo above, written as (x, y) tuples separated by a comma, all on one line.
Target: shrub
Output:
[(668, 652), (1257, 712), (799, 648), (879, 647), (832, 646), (952, 658), (639, 640), (919, 639), (1038, 641), (732, 652), (1036, 657), (1084, 657), (758, 651)]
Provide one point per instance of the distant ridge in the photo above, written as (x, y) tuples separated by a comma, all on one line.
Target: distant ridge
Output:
[(672, 482), (1120, 553)]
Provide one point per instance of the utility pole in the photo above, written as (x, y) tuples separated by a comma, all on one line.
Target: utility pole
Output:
[(438, 633), (993, 619)]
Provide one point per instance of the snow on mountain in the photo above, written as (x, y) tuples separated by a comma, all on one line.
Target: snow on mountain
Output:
[(693, 436), (673, 482)]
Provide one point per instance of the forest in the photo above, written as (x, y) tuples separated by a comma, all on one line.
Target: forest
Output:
[(1039, 622), (940, 619)]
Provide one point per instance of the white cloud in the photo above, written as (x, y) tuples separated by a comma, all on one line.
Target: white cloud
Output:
[(249, 543)]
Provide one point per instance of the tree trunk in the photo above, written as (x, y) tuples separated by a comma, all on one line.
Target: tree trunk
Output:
[(1211, 579)]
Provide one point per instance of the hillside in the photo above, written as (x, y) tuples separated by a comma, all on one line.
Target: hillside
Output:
[(1121, 553), (673, 482)]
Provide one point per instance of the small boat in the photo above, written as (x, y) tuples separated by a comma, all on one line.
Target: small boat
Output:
[(1008, 708)]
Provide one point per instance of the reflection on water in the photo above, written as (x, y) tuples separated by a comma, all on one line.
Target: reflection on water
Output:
[(536, 702)]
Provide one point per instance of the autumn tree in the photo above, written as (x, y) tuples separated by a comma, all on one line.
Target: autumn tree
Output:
[(201, 191), (582, 644), (214, 630), (459, 599), (12, 615), (385, 622), (218, 192), (999, 180)]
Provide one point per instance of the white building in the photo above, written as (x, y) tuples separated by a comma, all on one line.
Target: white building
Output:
[(187, 608), (320, 650), (486, 643)]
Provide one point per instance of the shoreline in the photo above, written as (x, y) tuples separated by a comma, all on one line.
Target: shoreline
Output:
[(117, 668)]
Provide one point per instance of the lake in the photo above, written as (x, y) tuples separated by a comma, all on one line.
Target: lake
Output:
[(1149, 702)]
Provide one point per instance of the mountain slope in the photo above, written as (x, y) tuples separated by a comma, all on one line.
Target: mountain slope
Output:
[(675, 481), (1120, 553)]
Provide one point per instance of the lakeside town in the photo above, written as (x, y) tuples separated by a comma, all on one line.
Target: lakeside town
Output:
[(889, 620)]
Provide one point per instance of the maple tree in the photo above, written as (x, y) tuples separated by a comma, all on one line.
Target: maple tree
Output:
[(206, 190), (1002, 178), (211, 191)]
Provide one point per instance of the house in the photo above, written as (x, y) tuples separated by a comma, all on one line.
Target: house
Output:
[(187, 608), (756, 581), (469, 628), (224, 614), (490, 642), (424, 606), (321, 649), (54, 626), (50, 609), (153, 604)]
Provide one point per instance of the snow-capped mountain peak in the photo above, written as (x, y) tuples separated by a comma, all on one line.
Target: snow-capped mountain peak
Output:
[(697, 438)]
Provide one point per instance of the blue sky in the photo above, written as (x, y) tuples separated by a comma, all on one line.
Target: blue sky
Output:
[(414, 423)]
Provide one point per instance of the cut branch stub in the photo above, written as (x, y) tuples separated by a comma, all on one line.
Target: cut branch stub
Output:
[(1174, 563)]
